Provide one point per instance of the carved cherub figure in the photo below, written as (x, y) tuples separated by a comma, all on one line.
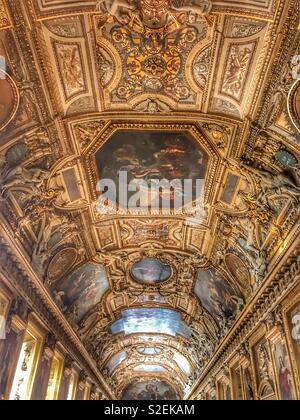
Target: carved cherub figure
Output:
[(120, 9), (259, 264), (249, 227), (198, 7), (20, 176), (279, 183)]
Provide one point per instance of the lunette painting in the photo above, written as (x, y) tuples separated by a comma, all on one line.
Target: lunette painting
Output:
[(150, 390)]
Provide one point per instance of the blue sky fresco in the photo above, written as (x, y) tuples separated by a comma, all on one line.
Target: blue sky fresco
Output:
[(115, 361), (156, 320)]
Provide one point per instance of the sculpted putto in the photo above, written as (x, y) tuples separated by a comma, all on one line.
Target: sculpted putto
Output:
[(198, 7), (278, 183), (127, 10), (22, 177), (117, 8)]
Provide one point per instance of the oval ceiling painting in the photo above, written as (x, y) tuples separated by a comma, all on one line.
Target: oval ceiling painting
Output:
[(215, 294), (61, 264), (239, 270), (151, 271), (294, 104), (9, 99), (153, 390)]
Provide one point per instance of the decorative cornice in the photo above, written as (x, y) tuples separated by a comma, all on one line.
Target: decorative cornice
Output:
[(289, 39), (17, 269), (279, 282)]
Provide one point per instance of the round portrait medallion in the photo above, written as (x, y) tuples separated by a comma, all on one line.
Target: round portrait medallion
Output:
[(61, 264), (9, 99), (151, 271), (238, 270), (286, 159), (294, 104)]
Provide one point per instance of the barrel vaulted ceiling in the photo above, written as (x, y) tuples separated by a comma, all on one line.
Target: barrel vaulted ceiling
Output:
[(171, 88)]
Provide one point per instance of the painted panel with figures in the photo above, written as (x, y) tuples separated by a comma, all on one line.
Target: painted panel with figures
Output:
[(82, 290), (150, 390), (283, 371), (294, 326)]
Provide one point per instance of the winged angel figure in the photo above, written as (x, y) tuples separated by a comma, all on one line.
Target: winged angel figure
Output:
[(20, 177), (278, 183)]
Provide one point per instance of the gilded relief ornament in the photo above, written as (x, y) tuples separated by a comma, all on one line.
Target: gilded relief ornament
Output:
[(154, 15), (239, 270), (153, 43), (4, 20), (152, 106), (279, 184), (264, 362), (219, 133), (20, 176)]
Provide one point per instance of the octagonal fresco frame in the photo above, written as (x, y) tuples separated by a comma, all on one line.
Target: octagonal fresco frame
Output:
[(190, 130)]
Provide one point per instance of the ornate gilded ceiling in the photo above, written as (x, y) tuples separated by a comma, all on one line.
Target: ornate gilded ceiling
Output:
[(175, 89)]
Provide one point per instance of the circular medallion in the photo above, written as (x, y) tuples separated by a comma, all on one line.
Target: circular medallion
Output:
[(154, 66), (238, 270), (286, 159), (294, 104), (9, 99), (151, 271), (61, 264)]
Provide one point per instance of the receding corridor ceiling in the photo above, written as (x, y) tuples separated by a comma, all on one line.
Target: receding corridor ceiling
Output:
[(163, 89)]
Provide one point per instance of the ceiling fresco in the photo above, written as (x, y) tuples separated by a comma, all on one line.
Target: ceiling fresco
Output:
[(81, 291), (159, 89), (149, 156), (151, 390), (216, 296), (160, 321), (151, 271)]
